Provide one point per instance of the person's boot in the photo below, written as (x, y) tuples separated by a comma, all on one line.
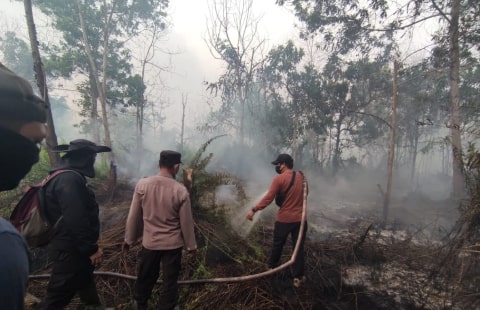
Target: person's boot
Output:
[(138, 306)]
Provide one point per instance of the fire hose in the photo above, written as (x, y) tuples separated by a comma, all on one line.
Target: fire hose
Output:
[(227, 279)]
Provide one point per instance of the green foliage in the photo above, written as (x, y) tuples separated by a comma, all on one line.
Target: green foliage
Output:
[(102, 167), (16, 55), (205, 183), (296, 102), (346, 25), (201, 270), (472, 158), (109, 24), (211, 221)]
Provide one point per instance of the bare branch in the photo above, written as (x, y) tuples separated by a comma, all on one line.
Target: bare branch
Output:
[(440, 11), (374, 116)]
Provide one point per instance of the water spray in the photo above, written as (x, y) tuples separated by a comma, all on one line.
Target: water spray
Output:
[(227, 279), (239, 222)]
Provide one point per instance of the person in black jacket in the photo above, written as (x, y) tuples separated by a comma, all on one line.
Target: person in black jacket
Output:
[(71, 204), (22, 128)]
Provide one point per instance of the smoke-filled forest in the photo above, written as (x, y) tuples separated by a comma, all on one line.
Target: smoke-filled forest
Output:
[(376, 101)]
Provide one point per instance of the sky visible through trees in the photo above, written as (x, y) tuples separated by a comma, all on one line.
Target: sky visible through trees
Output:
[(313, 79)]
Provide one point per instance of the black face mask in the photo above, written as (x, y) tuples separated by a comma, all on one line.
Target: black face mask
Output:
[(277, 169), (81, 161), (17, 156)]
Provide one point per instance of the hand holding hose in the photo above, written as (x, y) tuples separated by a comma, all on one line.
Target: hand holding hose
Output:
[(250, 214)]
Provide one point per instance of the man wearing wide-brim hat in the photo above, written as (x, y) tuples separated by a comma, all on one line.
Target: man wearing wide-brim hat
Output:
[(73, 250)]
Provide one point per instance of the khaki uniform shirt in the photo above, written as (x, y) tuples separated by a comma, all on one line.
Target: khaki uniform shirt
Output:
[(161, 212)]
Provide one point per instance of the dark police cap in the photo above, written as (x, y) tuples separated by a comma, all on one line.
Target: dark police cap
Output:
[(81, 145), (283, 158), (170, 158), (17, 100)]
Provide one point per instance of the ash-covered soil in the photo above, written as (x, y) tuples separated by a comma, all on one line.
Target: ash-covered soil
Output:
[(352, 261)]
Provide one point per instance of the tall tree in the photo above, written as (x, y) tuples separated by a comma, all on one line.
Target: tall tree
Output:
[(295, 94), (352, 25), (41, 81), (391, 148), (17, 55), (182, 132), (422, 87), (233, 37), (455, 121), (94, 34), (145, 48)]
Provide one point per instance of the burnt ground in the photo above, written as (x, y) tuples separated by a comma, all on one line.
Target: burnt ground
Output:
[(351, 261)]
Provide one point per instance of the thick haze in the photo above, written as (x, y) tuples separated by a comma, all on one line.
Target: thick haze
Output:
[(187, 63), (185, 55)]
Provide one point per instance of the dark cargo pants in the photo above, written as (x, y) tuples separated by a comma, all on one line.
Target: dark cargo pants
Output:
[(280, 235), (72, 273), (148, 272)]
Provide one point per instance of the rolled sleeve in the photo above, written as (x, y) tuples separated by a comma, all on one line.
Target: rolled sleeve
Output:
[(270, 195)]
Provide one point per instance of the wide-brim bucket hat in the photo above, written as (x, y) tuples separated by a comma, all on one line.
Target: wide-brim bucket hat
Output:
[(81, 145)]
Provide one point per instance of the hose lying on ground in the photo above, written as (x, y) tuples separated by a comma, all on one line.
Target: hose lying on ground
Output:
[(221, 280)]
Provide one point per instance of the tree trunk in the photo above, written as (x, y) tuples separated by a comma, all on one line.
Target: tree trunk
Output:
[(458, 178), (103, 87), (413, 184), (242, 106), (391, 153), (336, 151), (182, 133), (101, 93), (139, 121), (101, 90), (41, 82), (94, 108)]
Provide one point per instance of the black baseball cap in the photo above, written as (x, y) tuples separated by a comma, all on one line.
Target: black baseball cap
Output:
[(283, 158), (169, 158)]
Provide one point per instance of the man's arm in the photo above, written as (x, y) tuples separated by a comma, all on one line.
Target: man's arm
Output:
[(270, 195), (134, 224), (187, 224), (267, 198)]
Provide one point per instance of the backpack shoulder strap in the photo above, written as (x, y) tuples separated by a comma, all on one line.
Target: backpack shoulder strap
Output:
[(291, 182), (57, 172), (42, 205)]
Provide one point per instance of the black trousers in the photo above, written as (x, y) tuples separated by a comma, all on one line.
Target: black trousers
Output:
[(72, 273), (280, 235), (148, 272)]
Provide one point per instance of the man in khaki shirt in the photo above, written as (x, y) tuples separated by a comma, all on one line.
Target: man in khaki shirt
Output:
[(160, 212)]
